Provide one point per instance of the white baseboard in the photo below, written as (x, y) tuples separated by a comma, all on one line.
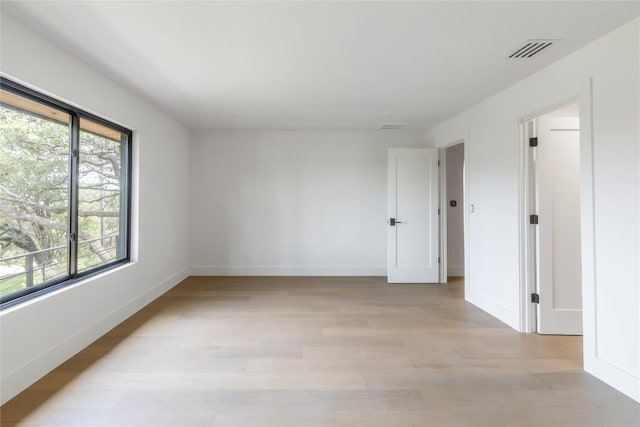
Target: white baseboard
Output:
[(614, 376), (501, 313), (31, 371), (455, 271), (288, 270)]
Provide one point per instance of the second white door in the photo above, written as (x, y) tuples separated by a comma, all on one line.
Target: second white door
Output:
[(558, 200), (412, 228)]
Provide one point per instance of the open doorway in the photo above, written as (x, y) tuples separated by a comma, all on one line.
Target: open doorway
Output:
[(452, 211), (455, 211), (554, 194)]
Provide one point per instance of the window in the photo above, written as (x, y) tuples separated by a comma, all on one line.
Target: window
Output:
[(64, 193)]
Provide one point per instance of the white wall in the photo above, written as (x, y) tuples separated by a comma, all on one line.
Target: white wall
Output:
[(38, 335), (610, 277), (455, 215), (291, 202)]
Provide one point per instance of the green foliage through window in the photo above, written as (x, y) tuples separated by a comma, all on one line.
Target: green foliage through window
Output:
[(61, 215)]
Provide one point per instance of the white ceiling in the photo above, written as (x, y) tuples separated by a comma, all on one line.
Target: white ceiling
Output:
[(316, 65)]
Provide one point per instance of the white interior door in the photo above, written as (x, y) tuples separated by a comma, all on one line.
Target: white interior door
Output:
[(558, 205), (413, 245)]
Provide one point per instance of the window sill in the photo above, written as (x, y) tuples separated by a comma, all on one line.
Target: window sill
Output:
[(54, 290)]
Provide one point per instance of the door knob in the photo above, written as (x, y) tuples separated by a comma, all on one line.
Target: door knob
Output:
[(393, 222)]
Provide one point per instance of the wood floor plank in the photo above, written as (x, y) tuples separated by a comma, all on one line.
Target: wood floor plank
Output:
[(320, 352)]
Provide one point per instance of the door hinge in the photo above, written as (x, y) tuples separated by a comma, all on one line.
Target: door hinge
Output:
[(535, 298), (438, 211), (74, 152), (438, 260), (72, 237), (533, 142), (533, 219)]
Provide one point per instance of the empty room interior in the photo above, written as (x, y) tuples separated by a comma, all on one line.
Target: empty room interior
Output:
[(320, 213)]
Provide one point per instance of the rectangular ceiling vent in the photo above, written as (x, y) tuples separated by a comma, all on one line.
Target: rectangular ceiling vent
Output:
[(393, 125), (530, 48)]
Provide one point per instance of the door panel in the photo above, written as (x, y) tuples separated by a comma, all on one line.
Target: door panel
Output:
[(558, 201), (413, 202)]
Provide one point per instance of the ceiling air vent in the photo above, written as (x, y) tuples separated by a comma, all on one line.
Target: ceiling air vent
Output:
[(393, 125), (531, 48)]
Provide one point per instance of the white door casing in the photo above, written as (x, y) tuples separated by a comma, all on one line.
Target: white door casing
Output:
[(557, 171), (413, 242)]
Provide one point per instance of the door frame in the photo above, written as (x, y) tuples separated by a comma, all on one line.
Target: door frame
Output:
[(527, 249), (442, 156)]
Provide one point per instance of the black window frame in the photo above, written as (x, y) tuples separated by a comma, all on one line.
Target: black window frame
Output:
[(75, 115)]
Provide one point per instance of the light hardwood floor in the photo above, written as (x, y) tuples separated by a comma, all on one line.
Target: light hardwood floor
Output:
[(320, 352)]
